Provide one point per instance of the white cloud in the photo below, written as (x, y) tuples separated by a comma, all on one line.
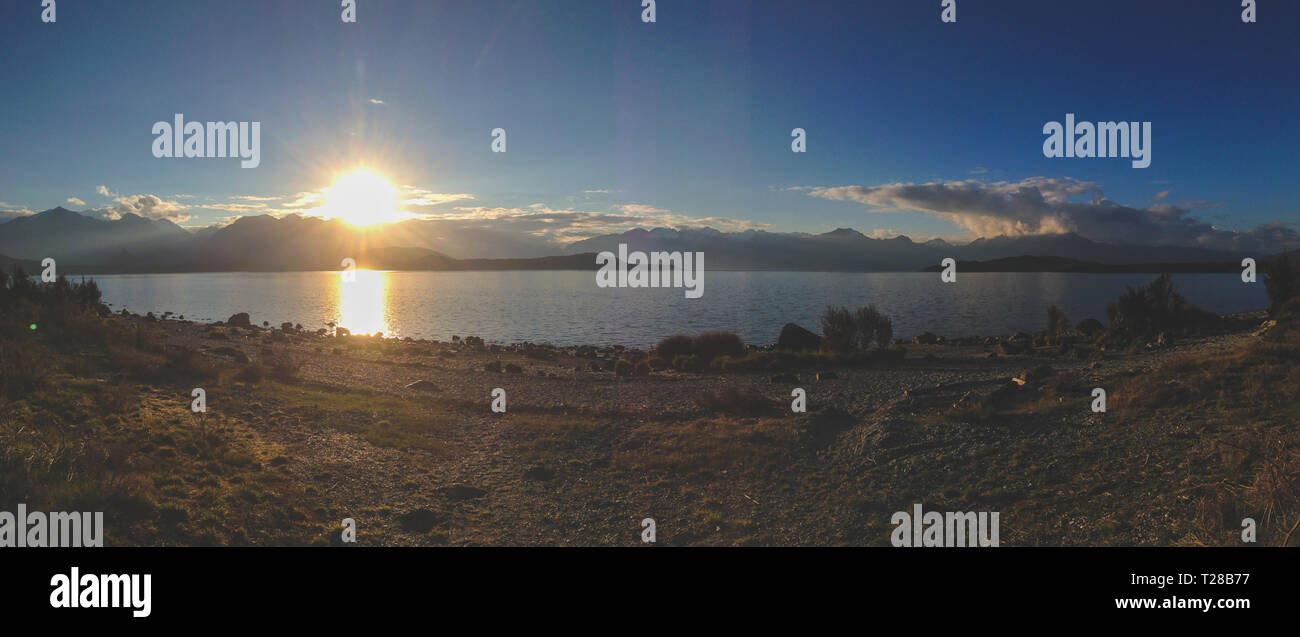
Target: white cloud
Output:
[(76, 202)]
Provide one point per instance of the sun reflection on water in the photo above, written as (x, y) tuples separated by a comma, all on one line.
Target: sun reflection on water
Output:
[(363, 302)]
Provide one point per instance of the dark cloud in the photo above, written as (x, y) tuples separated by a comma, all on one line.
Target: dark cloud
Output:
[(1042, 205)]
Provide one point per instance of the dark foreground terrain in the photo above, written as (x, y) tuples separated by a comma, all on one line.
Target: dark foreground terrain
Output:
[(303, 430)]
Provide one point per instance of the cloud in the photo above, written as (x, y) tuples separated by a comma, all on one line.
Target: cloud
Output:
[(640, 209), (375, 101), (147, 206), (568, 225), (103, 190), (422, 198), (76, 202), (1163, 194), (1043, 205), (9, 212)]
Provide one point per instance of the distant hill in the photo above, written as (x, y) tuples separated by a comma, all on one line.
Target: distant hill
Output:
[(1059, 264), (295, 243), (844, 249), (69, 236)]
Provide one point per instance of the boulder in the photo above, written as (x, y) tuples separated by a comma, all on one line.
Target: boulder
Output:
[(796, 338), (423, 385), (239, 320)]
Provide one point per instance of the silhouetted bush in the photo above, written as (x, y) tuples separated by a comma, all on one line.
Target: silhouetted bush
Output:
[(688, 363), (677, 345), (1281, 281), (844, 333), (711, 345), (705, 347), (839, 330), (1143, 313), (873, 327)]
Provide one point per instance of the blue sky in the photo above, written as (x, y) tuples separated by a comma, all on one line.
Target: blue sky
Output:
[(680, 122)]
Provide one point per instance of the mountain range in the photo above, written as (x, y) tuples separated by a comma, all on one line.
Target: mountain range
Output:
[(265, 243)]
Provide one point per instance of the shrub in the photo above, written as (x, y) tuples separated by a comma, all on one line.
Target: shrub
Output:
[(844, 333), (622, 368), (642, 368), (838, 330), (1281, 281), (873, 328), (688, 363), (705, 347), (677, 345), (711, 345), (1142, 313)]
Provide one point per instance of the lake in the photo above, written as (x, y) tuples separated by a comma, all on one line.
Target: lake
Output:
[(567, 308)]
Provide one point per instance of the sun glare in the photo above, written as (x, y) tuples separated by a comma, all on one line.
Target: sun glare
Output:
[(362, 198)]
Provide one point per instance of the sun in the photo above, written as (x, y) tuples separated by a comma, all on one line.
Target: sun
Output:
[(362, 198)]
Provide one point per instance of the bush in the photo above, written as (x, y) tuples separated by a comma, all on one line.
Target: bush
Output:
[(673, 346), (705, 347), (1143, 313), (711, 345), (873, 327), (688, 363), (844, 333), (1281, 281), (622, 368), (839, 331), (642, 368)]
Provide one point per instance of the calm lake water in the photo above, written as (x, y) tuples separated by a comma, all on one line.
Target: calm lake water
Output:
[(566, 308)]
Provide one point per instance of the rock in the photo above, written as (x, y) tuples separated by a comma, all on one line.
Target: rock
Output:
[(512, 368), (494, 367), (796, 338), (417, 521), (423, 385), (827, 376), (240, 320), (539, 473), (785, 378), (464, 492)]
